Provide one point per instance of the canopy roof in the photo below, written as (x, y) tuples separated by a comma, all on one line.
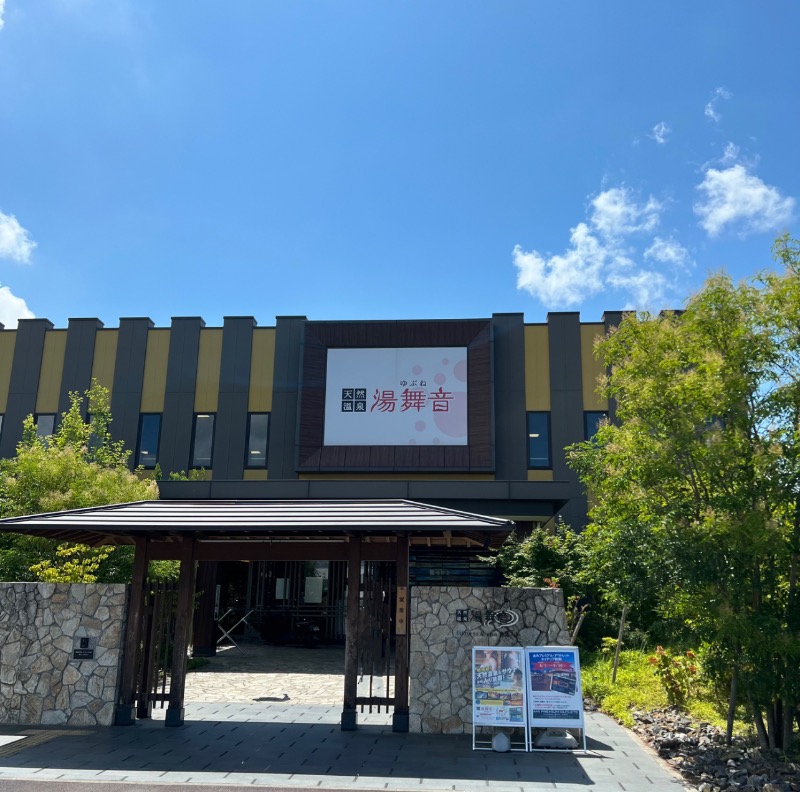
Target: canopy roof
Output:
[(259, 520)]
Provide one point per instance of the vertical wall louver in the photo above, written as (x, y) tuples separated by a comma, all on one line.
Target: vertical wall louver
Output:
[(234, 389), (24, 383), (78, 359), (282, 460), (566, 406), (176, 424), (509, 397), (612, 319), (126, 395)]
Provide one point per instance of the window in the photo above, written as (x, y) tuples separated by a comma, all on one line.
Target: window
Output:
[(203, 440), (539, 440), (95, 442), (257, 432), (45, 424), (149, 433), (591, 421)]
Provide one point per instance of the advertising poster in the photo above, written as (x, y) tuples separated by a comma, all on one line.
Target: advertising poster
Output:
[(498, 686), (555, 698)]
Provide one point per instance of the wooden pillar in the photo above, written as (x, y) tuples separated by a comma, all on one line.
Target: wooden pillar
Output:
[(349, 714), (183, 634), (204, 631), (400, 716), (125, 715)]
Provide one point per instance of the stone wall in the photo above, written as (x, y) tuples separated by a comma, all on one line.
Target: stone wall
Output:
[(42, 679), (447, 621)]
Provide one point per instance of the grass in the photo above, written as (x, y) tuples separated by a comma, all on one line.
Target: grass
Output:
[(638, 687)]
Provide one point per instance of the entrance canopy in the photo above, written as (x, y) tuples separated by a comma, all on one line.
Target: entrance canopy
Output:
[(223, 529), (355, 531)]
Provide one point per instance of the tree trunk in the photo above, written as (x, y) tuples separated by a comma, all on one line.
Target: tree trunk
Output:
[(788, 718), (758, 720), (619, 643), (577, 628), (771, 725), (731, 707)]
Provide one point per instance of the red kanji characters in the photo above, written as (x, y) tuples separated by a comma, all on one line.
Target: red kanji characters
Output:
[(412, 400), (441, 400), (385, 401)]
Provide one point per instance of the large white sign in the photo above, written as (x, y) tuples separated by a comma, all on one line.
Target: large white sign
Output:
[(396, 396), (555, 698)]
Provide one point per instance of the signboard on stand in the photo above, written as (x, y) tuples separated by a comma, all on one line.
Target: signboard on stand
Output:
[(498, 686), (555, 696)]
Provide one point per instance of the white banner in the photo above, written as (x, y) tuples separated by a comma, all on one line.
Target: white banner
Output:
[(396, 396)]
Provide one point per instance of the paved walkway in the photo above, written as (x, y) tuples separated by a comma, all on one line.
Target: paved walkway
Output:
[(294, 743), (258, 672)]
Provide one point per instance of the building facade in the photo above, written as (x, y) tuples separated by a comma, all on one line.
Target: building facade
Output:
[(472, 415), (261, 410)]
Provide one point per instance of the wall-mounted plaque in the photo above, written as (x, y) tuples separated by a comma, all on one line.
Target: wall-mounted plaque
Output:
[(83, 649)]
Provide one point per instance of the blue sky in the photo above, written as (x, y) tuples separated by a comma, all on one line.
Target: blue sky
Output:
[(389, 159)]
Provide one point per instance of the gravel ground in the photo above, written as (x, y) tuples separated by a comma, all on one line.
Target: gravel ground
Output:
[(698, 751)]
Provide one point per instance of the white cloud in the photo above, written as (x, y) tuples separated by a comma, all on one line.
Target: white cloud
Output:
[(711, 106), (2, 8), (648, 289), (730, 155), (735, 198), (616, 213), (15, 242), (660, 132), (12, 308), (563, 280), (667, 251), (599, 255)]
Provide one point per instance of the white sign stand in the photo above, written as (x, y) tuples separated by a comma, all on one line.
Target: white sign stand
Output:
[(498, 693), (554, 691)]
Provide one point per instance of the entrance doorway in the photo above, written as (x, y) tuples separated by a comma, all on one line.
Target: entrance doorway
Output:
[(265, 655)]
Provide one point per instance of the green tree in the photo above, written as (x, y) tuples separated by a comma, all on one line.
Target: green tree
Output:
[(80, 465), (697, 488), (543, 558)]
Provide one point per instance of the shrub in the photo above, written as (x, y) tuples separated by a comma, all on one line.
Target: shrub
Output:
[(678, 674)]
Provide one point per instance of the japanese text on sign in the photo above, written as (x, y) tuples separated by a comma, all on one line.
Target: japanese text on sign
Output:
[(396, 396)]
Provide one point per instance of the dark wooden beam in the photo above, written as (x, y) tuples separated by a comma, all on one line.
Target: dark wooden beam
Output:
[(183, 631), (400, 716), (275, 551), (124, 715), (205, 637), (352, 620)]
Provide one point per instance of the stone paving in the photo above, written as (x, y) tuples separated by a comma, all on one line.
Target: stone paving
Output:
[(257, 672), (292, 744)]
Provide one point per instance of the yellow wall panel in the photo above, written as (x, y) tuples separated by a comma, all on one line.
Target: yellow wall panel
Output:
[(255, 475), (591, 369), (105, 357), (537, 368), (209, 360), (262, 365), (154, 384), (55, 344), (8, 339), (540, 475)]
